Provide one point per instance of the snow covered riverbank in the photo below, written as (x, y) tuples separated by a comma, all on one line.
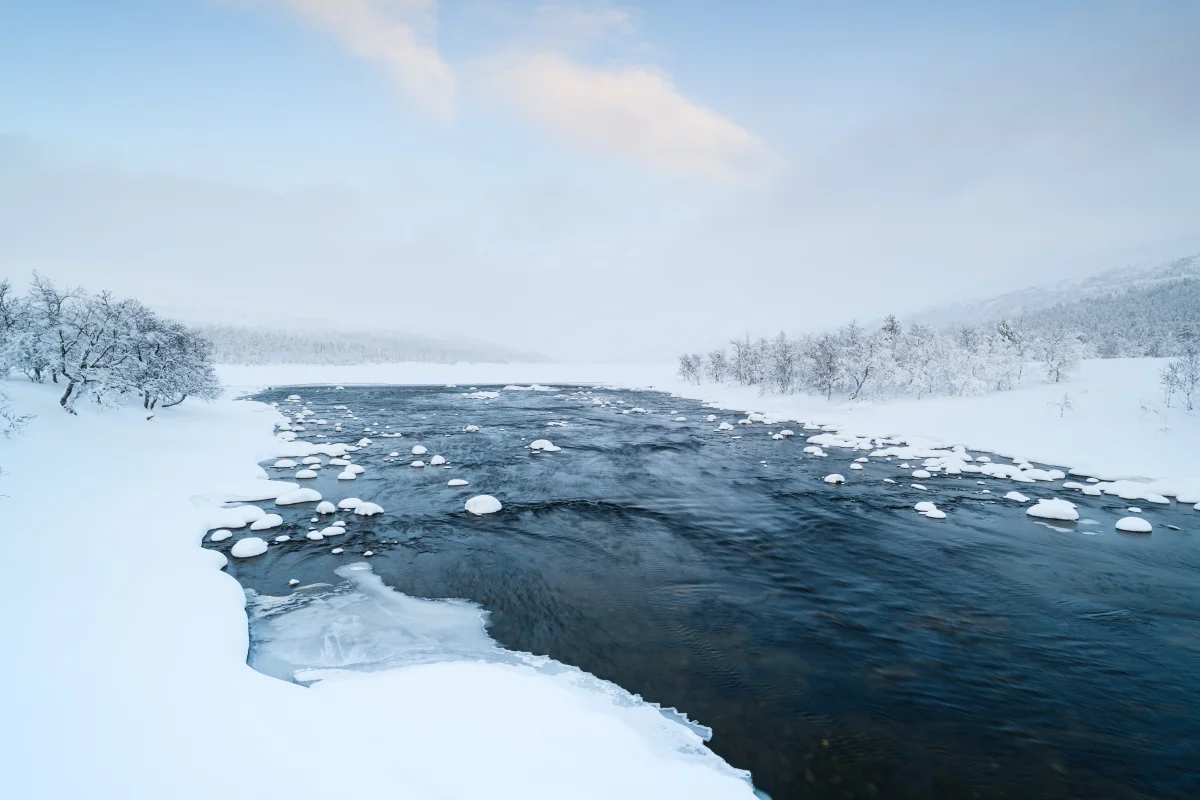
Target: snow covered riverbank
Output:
[(126, 673)]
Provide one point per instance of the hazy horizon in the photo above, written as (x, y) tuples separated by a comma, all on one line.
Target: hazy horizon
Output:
[(590, 180)]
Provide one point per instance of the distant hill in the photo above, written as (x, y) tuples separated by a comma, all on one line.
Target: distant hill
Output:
[(1118, 313), (234, 344), (1024, 301)]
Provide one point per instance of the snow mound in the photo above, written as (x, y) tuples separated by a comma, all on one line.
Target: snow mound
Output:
[(267, 522), (1134, 525), (1054, 509), (936, 513), (456, 482), (834, 479), (437, 461), (326, 507), (285, 463), (305, 473), (417, 464), (219, 535), (248, 547), (1020, 498), (298, 496), (368, 509), (346, 475), (483, 504), (350, 503), (471, 429)]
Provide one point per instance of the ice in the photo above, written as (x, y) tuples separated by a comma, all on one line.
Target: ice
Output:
[(1134, 525), (483, 504), (1054, 509), (298, 496), (248, 547), (267, 522)]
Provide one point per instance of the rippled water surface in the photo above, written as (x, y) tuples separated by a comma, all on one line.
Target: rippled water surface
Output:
[(838, 643)]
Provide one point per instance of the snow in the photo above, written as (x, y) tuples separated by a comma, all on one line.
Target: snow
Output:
[(472, 429), (298, 496), (483, 504), (267, 522), (248, 548), (419, 450), (349, 503), (325, 507), (417, 464), (1134, 525), (925, 506), (311, 460), (834, 479), (219, 535), (1020, 498), (133, 680), (437, 461), (456, 482), (285, 463), (368, 509), (544, 445), (1055, 508), (935, 513), (346, 475), (305, 473)]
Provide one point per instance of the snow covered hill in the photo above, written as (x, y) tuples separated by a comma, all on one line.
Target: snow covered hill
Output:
[(1023, 301)]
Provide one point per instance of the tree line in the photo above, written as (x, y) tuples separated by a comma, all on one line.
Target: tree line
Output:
[(100, 348), (856, 363)]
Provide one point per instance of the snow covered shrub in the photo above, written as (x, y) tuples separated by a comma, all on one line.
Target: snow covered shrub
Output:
[(1182, 376), (102, 348)]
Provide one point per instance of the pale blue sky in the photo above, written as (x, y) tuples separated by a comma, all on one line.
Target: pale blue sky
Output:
[(591, 179)]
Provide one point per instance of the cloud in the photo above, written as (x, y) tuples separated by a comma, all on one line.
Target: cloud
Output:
[(580, 23), (633, 113), (390, 32)]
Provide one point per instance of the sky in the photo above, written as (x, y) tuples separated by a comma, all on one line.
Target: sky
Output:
[(594, 181)]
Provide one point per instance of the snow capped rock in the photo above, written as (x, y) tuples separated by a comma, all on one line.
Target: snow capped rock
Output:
[(711, 418), (293, 582), (936, 513), (298, 496), (725, 426), (325, 507), (541, 444), (787, 432), (267, 522), (834, 479), (437, 461), (1054, 509), (337, 551), (293, 397), (341, 523), (856, 466), (417, 464), (471, 429), (333, 530), (285, 463), (314, 536), (744, 422), (778, 437), (863, 460), (920, 473), (304, 474), (349, 504), (354, 469), (456, 482), (219, 535), (483, 504), (481, 395), (249, 547), (681, 419), (368, 509), (283, 538), (418, 450), (346, 475), (311, 460), (368, 554), (1020, 498), (813, 450), (924, 506), (339, 462), (393, 454), (1134, 525)]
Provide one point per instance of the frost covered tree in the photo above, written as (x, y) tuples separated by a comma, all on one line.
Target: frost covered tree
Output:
[(1182, 375), (689, 368), (1059, 353), (98, 347), (716, 366)]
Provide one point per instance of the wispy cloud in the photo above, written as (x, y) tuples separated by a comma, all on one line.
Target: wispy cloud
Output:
[(394, 33), (633, 113)]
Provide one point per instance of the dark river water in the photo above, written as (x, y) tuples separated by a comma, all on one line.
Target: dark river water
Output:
[(838, 643)]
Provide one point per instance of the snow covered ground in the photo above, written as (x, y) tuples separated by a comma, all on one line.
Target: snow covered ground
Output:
[(125, 668)]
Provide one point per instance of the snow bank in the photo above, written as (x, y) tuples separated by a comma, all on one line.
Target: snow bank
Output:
[(105, 710)]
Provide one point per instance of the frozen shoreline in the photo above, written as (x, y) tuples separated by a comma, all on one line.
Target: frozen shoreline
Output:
[(1116, 428), (133, 682)]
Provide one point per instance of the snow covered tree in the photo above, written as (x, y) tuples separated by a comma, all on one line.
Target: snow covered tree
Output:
[(689, 368), (1059, 353), (825, 370), (716, 366)]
